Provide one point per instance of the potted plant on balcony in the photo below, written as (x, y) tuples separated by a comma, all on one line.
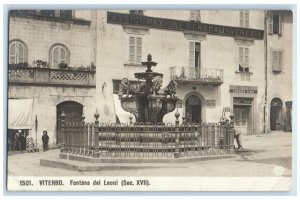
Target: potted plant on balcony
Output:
[(63, 65), (40, 63)]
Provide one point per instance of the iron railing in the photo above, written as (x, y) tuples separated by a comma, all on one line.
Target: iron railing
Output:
[(205, 76), (147, 140)]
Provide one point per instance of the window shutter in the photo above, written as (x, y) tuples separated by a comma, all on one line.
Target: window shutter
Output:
[(20, 53), (275, 60), (67, 56), (191, 59), (62, 54), (25, 54), (131, 49), (193, 15), (12, 54), (241, 56), (280, 24), (246, 60), (241, 18), (247, 18), (55, 57), (270, 23), (138, 50), (280, 60), (198, 15)]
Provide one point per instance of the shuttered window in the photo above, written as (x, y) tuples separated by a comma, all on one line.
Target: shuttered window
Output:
[(194, 59), (277, 60), (195, 15), (275, 25), (59, 54), (244, 18), (17, 52), (244, 59), (135, 50)]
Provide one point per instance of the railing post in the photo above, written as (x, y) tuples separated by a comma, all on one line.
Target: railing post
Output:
[(231, 133), (130, 119), (96, 146), (177, 136), (82, 141), (62, 130)]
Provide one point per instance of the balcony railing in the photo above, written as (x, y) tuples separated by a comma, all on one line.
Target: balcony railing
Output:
[(46, 76), (204, 77)]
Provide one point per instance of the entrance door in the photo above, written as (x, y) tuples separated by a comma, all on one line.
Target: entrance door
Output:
[(276, 114), (73, 113), (193, 109), (241, 120)]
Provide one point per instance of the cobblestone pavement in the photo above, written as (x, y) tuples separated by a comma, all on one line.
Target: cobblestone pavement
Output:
[(270, 156)]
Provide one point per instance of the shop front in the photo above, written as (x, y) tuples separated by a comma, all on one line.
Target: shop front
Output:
[(243, 100), (19, 118), (242, 110)]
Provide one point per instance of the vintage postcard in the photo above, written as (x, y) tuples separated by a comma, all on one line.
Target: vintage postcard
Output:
[(149, 100)]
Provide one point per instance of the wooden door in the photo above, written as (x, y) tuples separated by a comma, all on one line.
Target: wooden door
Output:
[(241, 120)]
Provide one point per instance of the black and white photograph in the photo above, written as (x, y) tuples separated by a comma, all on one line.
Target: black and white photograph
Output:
[(149, 99)]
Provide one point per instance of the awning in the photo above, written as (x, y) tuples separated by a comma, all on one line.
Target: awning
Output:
[(122, 114), (20, 113)]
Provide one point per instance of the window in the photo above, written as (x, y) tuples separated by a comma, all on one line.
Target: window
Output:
[(136, 12), (135, 50), (277, 60), (195, 15), (17, 52), (194, 59), (244, 18), (59, 54), (275, 23), (243, 59)]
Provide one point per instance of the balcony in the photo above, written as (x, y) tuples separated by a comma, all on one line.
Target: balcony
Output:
[(212, 77), (51, 77)]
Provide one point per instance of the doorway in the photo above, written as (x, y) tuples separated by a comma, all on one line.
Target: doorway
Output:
[(243, 114), (241, 119), (73, 112), (193, 109), (276, 114)]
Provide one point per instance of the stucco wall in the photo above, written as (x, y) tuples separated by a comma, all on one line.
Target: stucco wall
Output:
[(280, 84), (171, 48), (40, 35), (45, 100)]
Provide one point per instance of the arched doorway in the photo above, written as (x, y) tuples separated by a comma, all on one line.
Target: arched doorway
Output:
[(193, 109), (276, 114), (73, 113)]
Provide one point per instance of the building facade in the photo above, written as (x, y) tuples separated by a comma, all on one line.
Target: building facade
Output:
[(219, 64)]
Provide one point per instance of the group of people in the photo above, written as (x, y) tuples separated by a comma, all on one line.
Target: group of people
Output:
[(19, 136)]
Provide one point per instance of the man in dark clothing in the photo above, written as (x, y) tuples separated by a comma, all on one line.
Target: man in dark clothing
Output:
[(45, 139), (237, 135), (17, 142)]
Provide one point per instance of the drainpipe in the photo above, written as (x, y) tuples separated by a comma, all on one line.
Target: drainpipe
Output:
[(266, 68)]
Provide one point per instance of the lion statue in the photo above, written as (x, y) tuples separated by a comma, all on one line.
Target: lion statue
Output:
[(125, 88), (171, 89), (157, 83)]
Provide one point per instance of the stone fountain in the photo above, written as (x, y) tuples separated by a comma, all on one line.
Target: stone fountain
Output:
[(145, 100)]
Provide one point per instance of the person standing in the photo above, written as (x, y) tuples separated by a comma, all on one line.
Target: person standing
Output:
[(17, 142), (237, 137), (45, 139)]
